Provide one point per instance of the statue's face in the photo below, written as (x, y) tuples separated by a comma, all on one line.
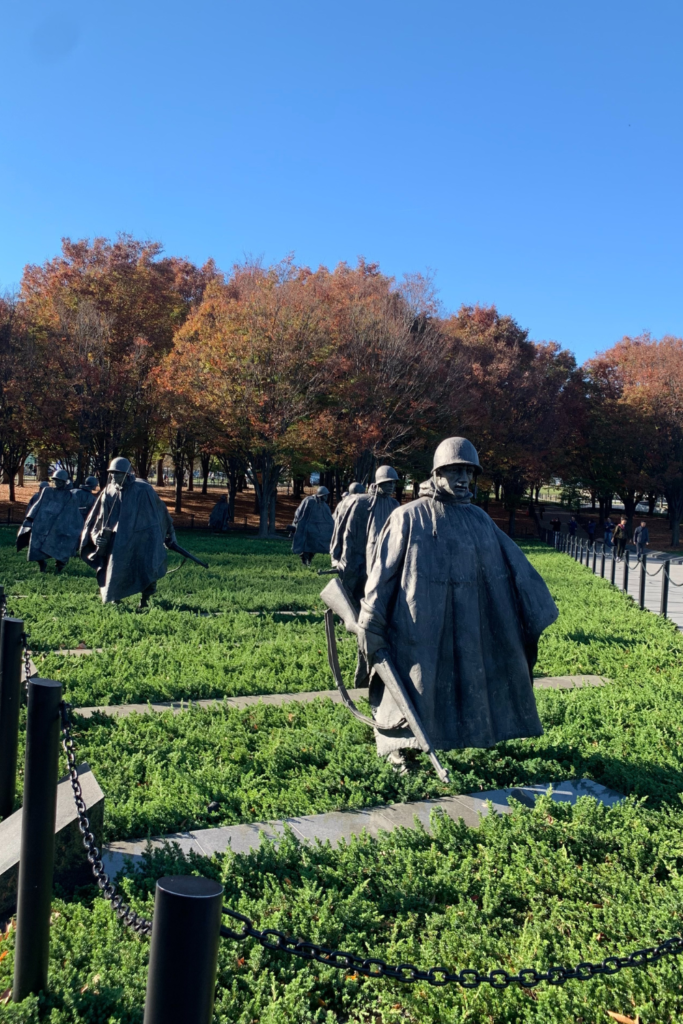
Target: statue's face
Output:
[(60, 484), (455, 480), (118, 478), (387, 487)]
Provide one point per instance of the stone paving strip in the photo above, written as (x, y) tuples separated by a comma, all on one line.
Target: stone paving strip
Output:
[(337, 825), (123, 710)]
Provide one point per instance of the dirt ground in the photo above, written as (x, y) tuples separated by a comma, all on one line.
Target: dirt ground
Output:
[(197, 508)]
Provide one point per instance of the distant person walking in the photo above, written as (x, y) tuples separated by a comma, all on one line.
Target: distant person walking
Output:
[(556, 525), (620, 538), (641, 537), (572, 526), (590, 530), (609, 530)]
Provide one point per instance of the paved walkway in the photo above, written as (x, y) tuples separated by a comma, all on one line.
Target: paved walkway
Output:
[(337, 825), (123, 710)]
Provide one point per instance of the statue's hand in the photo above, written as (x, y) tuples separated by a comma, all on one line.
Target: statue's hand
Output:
[(369, 643)]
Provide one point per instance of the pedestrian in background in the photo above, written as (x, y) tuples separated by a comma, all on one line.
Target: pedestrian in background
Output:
[(641, 537), (620, 538), (590, 530), (609, 529), (571, 526)]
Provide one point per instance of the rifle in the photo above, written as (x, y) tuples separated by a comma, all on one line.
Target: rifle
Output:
[(337, 600), (173, 545)]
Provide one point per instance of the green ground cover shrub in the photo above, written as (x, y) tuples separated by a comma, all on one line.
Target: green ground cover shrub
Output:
[(553, 885)]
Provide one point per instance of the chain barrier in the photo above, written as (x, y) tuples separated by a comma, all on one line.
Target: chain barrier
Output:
[(27, 658), (668, 576), (370, 967), (374, 967), (122, 910)]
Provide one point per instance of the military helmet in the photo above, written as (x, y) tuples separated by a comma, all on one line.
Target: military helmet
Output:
[(322, 492), (119, 465), (91, 482), (60, 474), (356, 488), (385, 473), (456, 451)]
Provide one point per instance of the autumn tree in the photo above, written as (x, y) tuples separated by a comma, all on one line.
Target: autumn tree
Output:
[(639, 420), (105, 313), (251, 362)]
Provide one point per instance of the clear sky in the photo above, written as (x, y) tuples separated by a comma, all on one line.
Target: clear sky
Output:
[(529, 152)]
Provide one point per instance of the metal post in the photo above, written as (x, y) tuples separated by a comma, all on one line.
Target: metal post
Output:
[(11, 632), (36, 859), (664, 601), (643, 577), (182, 975), (595, 557), (625, 581), (613, 568), (602, 562)]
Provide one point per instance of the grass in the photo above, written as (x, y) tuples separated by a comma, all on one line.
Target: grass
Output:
[(551, 885)]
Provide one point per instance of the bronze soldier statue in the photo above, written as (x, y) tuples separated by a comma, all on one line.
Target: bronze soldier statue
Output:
[(52, 527), (313, 526), (125, 536)]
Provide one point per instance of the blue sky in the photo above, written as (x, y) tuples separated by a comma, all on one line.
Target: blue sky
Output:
[(529, 153)]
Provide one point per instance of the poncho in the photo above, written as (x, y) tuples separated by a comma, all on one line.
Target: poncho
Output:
[(141, 524), (220, 515), (55, 524), (85, 500), (314, 526), (462, 610), (361, 530), (340, 516)]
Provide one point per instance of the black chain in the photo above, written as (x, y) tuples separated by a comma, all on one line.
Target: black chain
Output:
[(374, 967), (123, 912), (370, 967), (27, 658)]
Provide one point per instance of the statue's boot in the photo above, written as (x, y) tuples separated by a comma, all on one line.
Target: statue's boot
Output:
[(42, 565), (59, 566)]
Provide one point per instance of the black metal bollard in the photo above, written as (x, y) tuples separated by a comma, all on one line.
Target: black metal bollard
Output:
[(11, 632), (643, 577), (613, 568), (602, 562), (664, 600), (595, 558), (182, 975), (36, 859), (626, 568)]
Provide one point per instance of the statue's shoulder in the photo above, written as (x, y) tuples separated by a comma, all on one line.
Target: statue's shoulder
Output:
[(415, 509)]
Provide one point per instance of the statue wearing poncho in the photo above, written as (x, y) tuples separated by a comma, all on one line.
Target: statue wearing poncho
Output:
[(313, 526), (358, 536), (123, 537), (220, 514), (460, 609), (53, 524)]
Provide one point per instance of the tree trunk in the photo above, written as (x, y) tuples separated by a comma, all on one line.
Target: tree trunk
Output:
[(160, 472), (511, 523), (21, 475), (496, 489), (206, 464), (12, 493), (42, 467), (674, 499), (190, 475), (651, 502)]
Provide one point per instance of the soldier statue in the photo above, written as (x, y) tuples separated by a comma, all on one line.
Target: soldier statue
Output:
[(358, 530), (458, 610), (52, 527), (125, 536), (312, 526), (85, 495), (220, 514), (340, 516)]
